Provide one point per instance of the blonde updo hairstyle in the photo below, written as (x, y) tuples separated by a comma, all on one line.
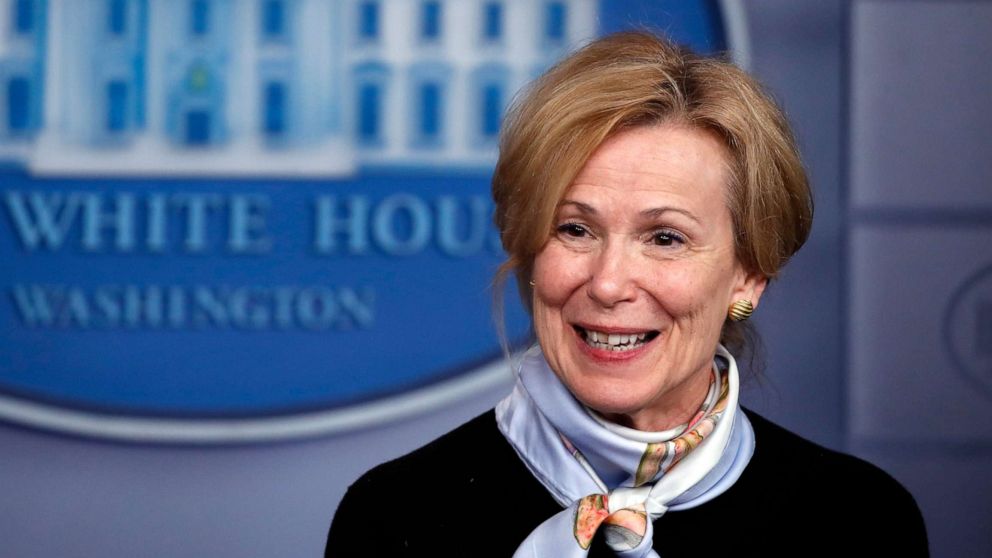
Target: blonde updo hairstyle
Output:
[(636, 79)]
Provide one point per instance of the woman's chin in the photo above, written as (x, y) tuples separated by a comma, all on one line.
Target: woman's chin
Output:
[(652, 408), (605, 401)]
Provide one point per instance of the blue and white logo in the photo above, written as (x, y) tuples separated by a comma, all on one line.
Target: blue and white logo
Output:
[(240, 220)]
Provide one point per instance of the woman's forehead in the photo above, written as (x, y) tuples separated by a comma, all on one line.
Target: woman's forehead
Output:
[(651, 164)]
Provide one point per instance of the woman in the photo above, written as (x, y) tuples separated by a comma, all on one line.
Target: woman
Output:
[(645, 197)]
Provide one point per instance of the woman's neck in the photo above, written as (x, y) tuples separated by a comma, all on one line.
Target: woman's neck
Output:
[(672, 412)]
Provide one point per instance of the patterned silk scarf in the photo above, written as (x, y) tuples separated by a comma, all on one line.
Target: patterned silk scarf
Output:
[(615, 478)]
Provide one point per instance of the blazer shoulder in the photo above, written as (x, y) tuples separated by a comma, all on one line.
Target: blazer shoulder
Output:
[(787, 453), (425, 490), (443, 459), (833, 485), (402, 483)]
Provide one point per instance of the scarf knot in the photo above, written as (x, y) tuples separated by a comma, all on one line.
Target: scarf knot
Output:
[(623, 515)]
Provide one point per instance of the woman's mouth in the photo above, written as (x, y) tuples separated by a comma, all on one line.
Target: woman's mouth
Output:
[(615, 342)]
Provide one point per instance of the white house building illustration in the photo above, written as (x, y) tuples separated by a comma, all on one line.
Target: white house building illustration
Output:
[(257, 87)]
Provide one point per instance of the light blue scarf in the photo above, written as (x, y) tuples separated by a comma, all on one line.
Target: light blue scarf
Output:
[(608, 474)]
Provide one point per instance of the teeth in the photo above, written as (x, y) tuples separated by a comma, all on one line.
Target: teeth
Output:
[(614, 341)]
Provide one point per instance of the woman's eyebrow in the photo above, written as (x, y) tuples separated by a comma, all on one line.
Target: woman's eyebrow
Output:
[(582, 207), (659, 211)]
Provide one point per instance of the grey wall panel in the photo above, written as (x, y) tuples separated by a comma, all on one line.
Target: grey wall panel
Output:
[(921, 84), (906, 287), (797, 53), (919, 265)]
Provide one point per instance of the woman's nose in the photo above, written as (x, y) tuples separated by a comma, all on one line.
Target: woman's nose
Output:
[(612, 276)]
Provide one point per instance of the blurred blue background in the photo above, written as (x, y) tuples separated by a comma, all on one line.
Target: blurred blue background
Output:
[(246, 255)]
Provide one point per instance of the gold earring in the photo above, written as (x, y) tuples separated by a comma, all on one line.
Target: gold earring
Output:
[(532, 283), (740, 310)]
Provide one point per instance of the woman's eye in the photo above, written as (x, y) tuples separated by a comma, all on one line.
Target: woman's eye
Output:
[(667, 238), (573, 230)]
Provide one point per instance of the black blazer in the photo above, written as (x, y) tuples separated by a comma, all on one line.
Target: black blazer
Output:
[(468, 494)]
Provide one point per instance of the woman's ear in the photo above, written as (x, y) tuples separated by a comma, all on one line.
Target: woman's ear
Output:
[(750, 286)]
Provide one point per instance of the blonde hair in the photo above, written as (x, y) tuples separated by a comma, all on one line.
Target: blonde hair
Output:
[(638, 79)]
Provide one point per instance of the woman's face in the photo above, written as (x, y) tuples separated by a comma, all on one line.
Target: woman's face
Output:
[(632, 289)]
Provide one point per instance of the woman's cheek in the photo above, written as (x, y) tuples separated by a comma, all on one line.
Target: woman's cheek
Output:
[(558, 273), (685, 292)]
